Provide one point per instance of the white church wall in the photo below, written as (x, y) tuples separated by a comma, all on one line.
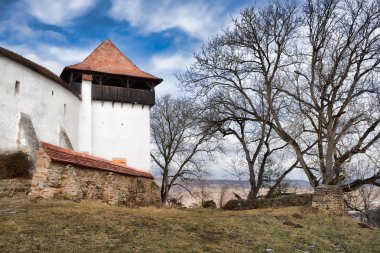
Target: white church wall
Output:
[(48, 103), (84, 128), (121, 131)]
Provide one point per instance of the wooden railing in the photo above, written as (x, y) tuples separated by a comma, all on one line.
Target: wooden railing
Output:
[(124, 95)]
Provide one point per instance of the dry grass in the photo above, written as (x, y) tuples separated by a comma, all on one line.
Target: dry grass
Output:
[(60, 226)]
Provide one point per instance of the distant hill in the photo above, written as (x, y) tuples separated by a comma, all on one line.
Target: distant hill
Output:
[(245, 184), (291, 182)]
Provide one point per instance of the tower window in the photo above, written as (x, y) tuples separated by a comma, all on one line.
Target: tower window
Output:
[(17, 88), (64, 110), (52, 93)]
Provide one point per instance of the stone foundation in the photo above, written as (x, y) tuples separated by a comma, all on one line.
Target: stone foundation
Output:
[(328, 199), (14, 187), (61, 181)]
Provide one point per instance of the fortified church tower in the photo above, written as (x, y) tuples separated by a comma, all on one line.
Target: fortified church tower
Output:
[(83, 135), (100, 107), (114, 112)]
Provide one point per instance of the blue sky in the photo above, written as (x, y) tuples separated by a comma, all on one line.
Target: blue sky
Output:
[(158, 36)]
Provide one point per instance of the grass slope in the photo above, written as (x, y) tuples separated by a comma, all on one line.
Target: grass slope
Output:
[(59, 226)]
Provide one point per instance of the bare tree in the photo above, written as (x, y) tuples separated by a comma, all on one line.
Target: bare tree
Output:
[(363, 199), (258, 145), (175, 202), (181, 142), (237, 169), (203, 193), (222, 195), (317, 66)]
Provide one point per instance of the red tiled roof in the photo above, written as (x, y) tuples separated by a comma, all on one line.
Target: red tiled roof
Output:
[(37, 68), (63, 155), (107, 58)]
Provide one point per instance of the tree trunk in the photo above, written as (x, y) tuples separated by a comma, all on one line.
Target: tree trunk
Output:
[(164, 187)]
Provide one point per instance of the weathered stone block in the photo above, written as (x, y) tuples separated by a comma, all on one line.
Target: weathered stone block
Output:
[(328, 199)]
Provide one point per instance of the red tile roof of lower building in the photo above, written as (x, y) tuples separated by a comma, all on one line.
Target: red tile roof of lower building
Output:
[(68, 156)]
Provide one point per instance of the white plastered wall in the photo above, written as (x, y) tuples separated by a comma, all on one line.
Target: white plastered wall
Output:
[(41, 98), (121, 130), (84, 126)]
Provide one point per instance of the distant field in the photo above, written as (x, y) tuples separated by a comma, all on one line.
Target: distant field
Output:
[(212, 189), (59, 226)]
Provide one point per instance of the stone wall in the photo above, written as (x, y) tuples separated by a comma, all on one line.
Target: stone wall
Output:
[(60, 181), (14, 187), (328, 199), (280, 201)]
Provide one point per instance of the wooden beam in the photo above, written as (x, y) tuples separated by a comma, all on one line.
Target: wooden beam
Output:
[(124, 82), (96, 79), (132, 83), (105, 78), (150, 85)]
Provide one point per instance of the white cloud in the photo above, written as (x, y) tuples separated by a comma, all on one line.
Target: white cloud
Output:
[(20, 30), (52, 65), (199, 19), (164, 66), (58, 12), (69, 55), (51, 57), (170, 63)]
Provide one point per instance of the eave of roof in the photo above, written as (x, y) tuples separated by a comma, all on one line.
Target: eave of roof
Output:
[(68, 156), (66, 71), (108, 59), (37, 68)]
